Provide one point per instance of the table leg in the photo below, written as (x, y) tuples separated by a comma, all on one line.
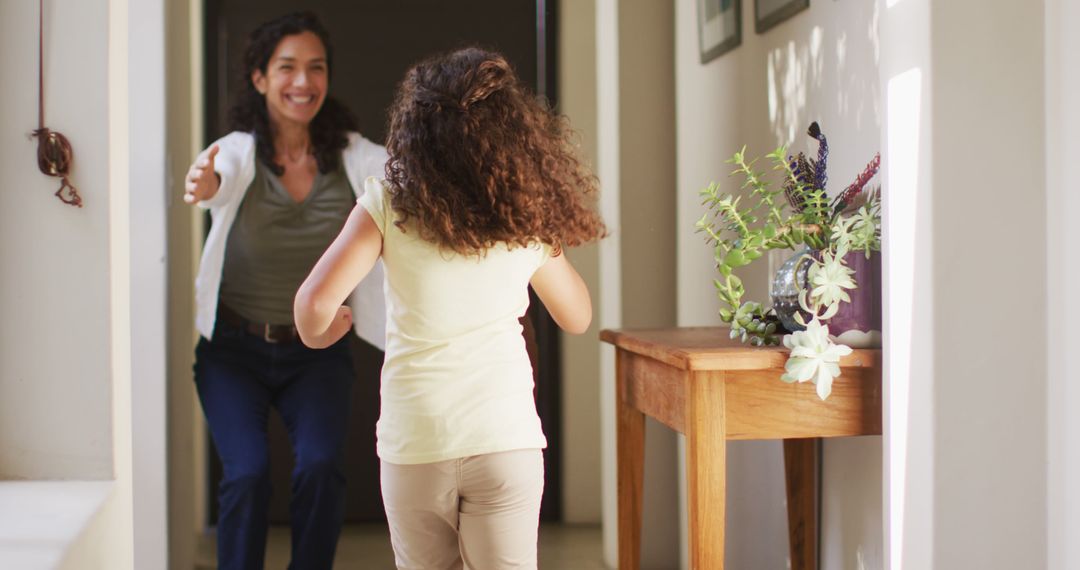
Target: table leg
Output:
[(801, 473), (706, 468), (630, 456)]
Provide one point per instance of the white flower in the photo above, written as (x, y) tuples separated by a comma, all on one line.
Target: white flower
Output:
[(841, 234), (866, 231), (814, 357), (860, 231), (828, 279)]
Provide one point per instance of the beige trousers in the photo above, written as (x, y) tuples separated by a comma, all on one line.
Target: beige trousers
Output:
[(479, 512)]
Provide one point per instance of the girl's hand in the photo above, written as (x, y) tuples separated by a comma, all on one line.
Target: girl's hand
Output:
[(317, 310), (339, 327), (201, 182)]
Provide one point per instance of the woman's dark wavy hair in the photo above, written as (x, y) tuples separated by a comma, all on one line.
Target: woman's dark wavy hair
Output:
[(330, 127), (477, 160)]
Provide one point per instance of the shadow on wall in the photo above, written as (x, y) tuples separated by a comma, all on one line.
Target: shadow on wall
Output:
[(808, 70)]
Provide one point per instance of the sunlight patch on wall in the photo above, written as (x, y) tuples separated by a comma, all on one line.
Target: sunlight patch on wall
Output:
[(841, 50), (903, 108), (817, 57), (788, 75), (873, 32)]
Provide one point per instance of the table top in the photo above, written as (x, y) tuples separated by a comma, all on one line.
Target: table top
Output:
[(711, 348)]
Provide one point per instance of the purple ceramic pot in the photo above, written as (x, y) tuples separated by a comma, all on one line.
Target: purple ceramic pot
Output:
[(858, 323)]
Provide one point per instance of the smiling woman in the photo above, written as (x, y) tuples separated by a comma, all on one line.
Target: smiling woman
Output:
[(295, 80), (279, 188), (284, 99)]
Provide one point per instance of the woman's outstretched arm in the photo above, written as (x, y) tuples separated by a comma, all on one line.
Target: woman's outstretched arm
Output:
[(564, 294), (321, 318)]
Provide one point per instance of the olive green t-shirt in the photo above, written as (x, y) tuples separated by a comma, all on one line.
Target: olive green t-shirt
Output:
[(275, 241)]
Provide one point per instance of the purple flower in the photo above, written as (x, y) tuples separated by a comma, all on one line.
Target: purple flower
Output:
[(820, 177)]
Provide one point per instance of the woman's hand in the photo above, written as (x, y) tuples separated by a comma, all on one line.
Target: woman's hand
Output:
[(201, 182)]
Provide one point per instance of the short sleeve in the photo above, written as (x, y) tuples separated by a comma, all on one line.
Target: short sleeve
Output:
[(374, 201), (543, 253)]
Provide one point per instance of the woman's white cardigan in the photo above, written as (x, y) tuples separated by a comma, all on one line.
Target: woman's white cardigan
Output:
[(235, 163)]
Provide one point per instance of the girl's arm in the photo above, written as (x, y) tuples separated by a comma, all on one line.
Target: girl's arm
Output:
[(320, 317), (564, 294)]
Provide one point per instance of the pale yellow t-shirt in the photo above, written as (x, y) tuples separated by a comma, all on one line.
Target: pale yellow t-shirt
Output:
[(456, 380)]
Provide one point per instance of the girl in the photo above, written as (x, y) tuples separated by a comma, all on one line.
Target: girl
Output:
[(482, 190)]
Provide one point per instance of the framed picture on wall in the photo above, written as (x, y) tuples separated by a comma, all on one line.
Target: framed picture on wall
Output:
[(768, 13), (719, 27)]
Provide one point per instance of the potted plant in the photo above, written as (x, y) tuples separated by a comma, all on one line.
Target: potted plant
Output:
[(816, 287)]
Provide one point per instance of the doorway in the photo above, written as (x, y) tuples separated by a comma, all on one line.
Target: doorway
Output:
[(374, 43)]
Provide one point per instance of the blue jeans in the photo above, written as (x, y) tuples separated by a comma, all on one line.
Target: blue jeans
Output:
[(239, 376)]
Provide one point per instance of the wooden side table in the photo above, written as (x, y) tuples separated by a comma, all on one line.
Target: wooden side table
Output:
[(699, 383)]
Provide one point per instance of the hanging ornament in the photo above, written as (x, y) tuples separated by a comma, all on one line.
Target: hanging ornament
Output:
[(54, 151)]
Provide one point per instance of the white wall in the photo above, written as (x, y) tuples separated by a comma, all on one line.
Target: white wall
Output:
[(82, 358), (581, 360), (55, 382), (908, 268), (186, 435), (820, 65), (967, 447), (116, 549), (990, 386), (636, 154), (609, 303), (146, 219), (1063, 248)]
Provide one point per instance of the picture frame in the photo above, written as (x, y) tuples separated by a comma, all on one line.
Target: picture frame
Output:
[(719, 27), (769, 13)]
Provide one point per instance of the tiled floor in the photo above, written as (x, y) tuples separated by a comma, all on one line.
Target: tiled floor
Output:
[(367, 547)]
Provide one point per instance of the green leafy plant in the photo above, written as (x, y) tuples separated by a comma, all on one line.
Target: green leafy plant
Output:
[(798, 212)]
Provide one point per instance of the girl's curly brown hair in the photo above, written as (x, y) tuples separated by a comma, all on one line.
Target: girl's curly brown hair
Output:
[(478, 160)]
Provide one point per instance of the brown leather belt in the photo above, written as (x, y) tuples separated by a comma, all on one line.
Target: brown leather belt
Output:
[(271, 333)]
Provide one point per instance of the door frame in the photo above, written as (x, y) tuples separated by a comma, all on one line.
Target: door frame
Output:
[(547, 333)]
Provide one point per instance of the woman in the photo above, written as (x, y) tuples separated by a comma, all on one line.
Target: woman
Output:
[(279, 188)]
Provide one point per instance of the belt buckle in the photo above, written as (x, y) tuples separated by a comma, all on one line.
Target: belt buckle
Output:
[(266, 334)]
